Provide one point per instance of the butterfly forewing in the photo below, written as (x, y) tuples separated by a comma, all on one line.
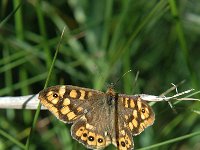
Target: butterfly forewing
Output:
[(68, 103)]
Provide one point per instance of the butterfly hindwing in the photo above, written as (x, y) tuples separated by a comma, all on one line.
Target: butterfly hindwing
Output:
[(89, 135)]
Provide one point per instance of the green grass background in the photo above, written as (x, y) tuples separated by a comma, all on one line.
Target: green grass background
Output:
[(103, 40)]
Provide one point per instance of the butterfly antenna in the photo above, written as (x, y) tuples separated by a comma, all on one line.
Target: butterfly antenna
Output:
[(113, 84)]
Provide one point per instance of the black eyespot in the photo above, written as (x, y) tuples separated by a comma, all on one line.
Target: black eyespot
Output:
[(100, 140), (85, 134), (123, 144), (91, 138), (55, 95), (143, 110)]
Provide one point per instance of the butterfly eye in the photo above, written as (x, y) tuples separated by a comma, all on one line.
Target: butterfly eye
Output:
[(55, 95)]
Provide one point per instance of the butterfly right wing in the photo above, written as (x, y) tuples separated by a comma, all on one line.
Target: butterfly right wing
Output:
[(133, 116), (136, 112), (68, 103)]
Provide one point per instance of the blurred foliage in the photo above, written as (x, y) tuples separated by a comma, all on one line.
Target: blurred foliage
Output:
[(102, 41)]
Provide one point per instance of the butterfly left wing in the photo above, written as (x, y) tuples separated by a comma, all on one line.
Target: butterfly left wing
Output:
[(67, 102), (83, 107)]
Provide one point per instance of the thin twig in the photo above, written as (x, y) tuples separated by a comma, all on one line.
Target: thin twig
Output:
[(20, 102)]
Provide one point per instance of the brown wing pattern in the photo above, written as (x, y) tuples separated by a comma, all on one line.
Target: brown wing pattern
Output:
[(135, 112), (92, 129), (122, 137), (68, 103), (133, 116)]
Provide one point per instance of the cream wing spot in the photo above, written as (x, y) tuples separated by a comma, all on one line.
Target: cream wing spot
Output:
[(82, 97), (79, 109), (130, 125), (49, 93), (126, 117), (126, 102), (73, 94), (135, 123), (84, 135), (62, 91), (146, 115), (122, 132), (66, 102), (53, 109), (142, 116), (89, 94), (65, 110), (135, 113), (80, 131), (71, 115), (88, 126), (147, 110), (132, 104), (139, 104), (55, 101), (142, 125)]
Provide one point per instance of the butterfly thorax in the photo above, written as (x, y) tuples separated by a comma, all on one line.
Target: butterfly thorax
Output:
[(112, 96)]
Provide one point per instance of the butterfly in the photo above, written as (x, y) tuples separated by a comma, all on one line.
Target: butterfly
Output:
[(99, 118)]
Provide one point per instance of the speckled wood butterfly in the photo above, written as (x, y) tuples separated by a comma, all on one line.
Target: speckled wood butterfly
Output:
[(99, 118)]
